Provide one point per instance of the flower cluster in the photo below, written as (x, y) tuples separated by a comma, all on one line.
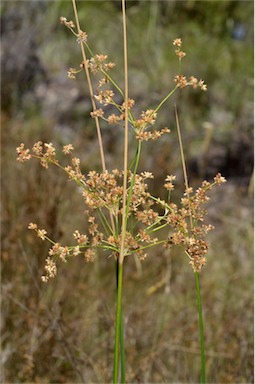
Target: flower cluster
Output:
[(81, 37), (105, 97), (187, 225), (146, 121), (74, 171), (178, 52), (97, 64), (68, 24), (152, 135), (50, 269), (103, 190), (46, 152), (140, 126), (103, 193), (23, 153), (181, 80), (169, 182), (72, 72)]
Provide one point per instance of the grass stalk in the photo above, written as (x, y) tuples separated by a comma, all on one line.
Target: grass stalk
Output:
[(119, 331), (201, 330), (122, 340), (125, 166), (119, 327), (122, 351)]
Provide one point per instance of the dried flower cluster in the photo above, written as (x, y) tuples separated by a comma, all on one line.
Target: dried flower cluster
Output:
[(68, 24), (181, 80), (46, 152), (142, 126), (97, 64), (178, 52), (102, 193), (187, 222)]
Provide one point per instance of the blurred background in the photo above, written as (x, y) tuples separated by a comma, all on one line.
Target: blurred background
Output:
[(63, 332)]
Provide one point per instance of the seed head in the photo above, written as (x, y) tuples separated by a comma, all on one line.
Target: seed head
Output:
[(82, 37), (219, 179), (23, 154), (68, 24), (177, 42)]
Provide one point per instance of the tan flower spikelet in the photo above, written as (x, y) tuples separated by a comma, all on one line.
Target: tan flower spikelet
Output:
[(23, 154), (68, 24)]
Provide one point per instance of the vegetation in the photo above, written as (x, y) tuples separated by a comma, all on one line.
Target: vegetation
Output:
[(56, 334)]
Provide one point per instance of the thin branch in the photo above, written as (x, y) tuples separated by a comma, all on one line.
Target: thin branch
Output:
[(90, 89), (183, 163)]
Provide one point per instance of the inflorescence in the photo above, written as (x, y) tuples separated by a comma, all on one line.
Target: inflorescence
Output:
[(102, 193)]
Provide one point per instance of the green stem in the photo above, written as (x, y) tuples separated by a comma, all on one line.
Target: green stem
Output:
[(137, 158), (104, 222), (138, 153), (201, 330), (122, 351), (165, 99), (133, 161), (119, 338), (119, 333), (122, 344), (113, 83)]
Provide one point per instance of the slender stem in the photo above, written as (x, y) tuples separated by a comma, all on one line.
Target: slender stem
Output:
[(113, 82), (183, 164), (133, 161), (118, 328), (107, 228), (138, 154), (125, 167), (90, 88), (122, 351), (165, 99), (121, 255), (201, 330), (122, 341), (132, 181)]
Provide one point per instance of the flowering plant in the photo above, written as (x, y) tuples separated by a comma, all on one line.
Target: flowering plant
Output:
[(124, 218)]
